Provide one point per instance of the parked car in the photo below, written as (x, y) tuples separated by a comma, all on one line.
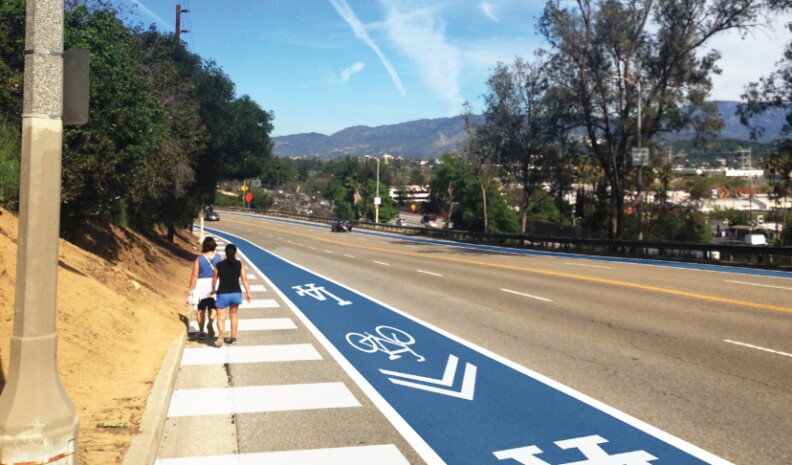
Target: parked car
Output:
[(429, 221), (341, 226), (401, 222), (211, 215)]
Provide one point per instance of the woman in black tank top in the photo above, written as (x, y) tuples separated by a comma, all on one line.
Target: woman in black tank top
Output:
[(228, 293)]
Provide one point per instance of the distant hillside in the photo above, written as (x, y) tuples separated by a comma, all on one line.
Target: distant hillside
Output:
[(433, 137)]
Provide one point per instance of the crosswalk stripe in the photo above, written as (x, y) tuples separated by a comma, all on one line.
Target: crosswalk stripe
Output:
[(260, 303), (257, 288), (386, 454), (252, 276), (249, 354), (254, 324), (252, 399)]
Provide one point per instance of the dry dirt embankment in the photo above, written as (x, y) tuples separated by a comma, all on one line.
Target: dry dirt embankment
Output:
[(120, 298)]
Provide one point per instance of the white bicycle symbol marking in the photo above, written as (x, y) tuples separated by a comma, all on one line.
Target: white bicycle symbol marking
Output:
[(386, 338)]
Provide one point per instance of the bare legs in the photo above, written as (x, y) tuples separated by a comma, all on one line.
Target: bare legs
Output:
[(234, 321), (221, 317)]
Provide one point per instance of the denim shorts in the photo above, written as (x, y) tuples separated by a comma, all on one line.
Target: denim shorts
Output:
[(227, 300)]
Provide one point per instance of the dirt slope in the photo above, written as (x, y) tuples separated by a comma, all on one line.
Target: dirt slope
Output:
[(119, 307)]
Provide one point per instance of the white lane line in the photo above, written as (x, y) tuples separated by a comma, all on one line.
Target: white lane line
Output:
[(527, 295), (290, 242), (386, 454), (257, 288), (312, 248), (260, 303), (587, 266), (250, 399), (255, 324), (328, 251), (301, 245), (349, 256), (383, 243), (751, 346), (760, 285), (249, 354), (381, 263), (430, 273)]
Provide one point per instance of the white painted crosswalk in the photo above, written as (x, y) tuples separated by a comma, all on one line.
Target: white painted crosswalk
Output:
[(362, 455), (258, 399), (249, 354), (255, 324), (200, 404), (259, 303)]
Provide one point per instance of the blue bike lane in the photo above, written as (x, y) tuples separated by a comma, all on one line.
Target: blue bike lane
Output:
[(458, 403)]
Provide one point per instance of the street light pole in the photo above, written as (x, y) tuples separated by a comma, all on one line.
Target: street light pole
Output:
[(377, 198), (38, 422), (637, 84)]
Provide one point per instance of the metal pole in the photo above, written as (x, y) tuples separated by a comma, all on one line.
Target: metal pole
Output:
[(640, 203), (376, 204), (38, 422)]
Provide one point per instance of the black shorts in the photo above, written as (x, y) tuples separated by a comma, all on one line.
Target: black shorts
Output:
[(207, 304)]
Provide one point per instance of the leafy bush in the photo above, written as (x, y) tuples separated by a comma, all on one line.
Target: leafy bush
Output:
[(9, 165)]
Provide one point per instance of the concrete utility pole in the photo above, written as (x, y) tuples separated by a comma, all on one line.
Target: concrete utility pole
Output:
[(38, 423)]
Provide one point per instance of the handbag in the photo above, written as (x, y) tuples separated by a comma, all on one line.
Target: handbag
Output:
[(191, 299)]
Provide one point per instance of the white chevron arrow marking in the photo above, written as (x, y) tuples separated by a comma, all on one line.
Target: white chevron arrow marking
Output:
[(468, 380)]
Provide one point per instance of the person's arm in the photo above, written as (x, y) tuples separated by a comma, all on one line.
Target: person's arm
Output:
[(194, 277), (214, 282), (243, 275)]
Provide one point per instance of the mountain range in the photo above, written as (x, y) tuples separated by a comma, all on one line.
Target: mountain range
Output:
[(433, 137)]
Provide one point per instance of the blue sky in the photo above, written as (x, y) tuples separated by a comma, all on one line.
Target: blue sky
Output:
[(324, 65)]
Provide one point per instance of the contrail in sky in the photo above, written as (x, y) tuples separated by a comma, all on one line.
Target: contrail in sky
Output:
[(145, 10), (343, 9)]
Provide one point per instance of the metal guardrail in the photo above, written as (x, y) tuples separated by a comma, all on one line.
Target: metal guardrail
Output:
[(723, 254)]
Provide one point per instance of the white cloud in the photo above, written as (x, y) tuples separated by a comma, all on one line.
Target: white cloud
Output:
[(486, 7), (151, 15), (746, 60), (420, 34), (354, 69), (343, 9)]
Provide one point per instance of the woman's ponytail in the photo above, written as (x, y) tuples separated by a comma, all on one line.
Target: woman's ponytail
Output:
[(230, 252)]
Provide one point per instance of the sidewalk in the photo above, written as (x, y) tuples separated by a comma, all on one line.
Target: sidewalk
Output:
[(275, 397)]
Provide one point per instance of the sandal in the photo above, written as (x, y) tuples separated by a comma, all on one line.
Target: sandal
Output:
[(219, 342)]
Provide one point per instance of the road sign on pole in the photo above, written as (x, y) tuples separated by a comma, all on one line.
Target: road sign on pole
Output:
[(640, 156)]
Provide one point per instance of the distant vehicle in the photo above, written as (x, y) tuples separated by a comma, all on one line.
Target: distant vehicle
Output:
[(401, 222), (340, 225), (429, 221), (755, 239), (211, 215)]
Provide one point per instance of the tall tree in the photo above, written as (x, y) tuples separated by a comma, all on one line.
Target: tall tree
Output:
[(523, 129), (113, 164), (608, 55)]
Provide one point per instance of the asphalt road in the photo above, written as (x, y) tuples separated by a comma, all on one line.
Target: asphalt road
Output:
[(704, 356)]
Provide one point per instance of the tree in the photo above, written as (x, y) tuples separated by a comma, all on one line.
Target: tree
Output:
[(480, 156), (113, 164), (521, 131), (455, 189), (606, 55)]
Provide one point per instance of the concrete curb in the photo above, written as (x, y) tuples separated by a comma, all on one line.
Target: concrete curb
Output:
[(144, 447)]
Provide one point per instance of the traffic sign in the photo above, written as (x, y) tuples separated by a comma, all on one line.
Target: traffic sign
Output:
[(248, 196), (244, 188), (640, 156)]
